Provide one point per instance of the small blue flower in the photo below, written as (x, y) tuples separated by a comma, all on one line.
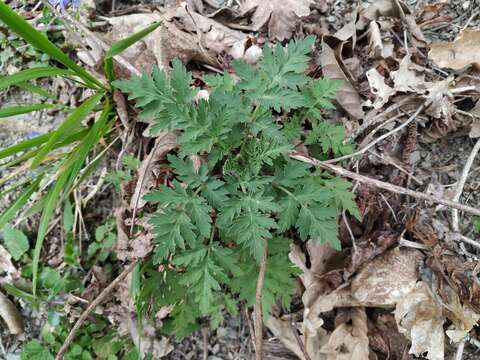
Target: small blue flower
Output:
[(63, 3), (32, 134)]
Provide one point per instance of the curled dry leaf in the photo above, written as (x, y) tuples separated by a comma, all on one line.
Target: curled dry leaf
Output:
[(282, 15), (8, 272), (347, 95), (377, 48), (379, 88), (11, 316), (459, 54), (406, 79), (184, 33), (419, 317), (282, 330), (146, 173), (387, 278), (349, 340)]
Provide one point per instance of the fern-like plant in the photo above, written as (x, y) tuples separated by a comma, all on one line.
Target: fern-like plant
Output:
[(215, 222)]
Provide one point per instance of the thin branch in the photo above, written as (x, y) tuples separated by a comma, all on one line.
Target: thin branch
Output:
[(381, 184), (258, 307), (91, 307), (383, 137), (461, 183), (459, 353)]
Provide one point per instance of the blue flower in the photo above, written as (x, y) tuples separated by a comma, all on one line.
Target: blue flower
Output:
[(63, 3), (32, 134)]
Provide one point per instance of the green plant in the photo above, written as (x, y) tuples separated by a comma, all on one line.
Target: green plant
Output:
[(95, 341), (105, 239), (476, 224), (215, 222), (55, 163)]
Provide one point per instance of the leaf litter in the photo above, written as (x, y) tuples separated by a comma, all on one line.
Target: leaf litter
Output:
[(348, 297)]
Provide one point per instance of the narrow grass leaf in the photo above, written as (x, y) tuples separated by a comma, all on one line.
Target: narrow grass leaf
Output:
[(50, 205), (119, 46), (10, 212), (67, 126), (38, 40), (18, 110), (20, 77), (36, 89)]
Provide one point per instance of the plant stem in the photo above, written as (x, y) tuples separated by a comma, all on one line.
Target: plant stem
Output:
[(258, 307)]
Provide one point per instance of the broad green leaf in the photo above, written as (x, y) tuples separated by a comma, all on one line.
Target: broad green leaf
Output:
[(15, 241), (38, 40), (34, 350)]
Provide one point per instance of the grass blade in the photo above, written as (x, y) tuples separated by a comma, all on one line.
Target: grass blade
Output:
[(119, 46), (69, 171), (50, 205), (38, 40), (67, 126), (10, 212), (18, 110), (25, 145), (36, 89), (20, 77)]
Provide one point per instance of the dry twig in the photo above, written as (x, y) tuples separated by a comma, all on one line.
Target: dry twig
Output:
[(258, 307), (461, 183), (381, 184), (383, 137), (91, 307)]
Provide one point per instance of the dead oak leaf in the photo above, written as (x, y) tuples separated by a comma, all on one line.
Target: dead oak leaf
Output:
[(282, 15), (458, 54), (349, 340)]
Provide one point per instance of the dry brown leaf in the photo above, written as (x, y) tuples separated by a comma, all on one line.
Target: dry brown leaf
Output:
[(146, 173), (144, 53), (8, 272), (349, 340), (475, 127), (347, 95), (459, 54), (384, 337), (406, 79), (387, 278), (282, 15), (419, 317), (282, 330), (382, 91), (377, 48), (10, 315)]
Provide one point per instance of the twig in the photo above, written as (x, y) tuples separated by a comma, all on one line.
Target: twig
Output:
[(91, 307), (467, 240), (384, 136), (142, 180), (381, 184), (258, 307), (11, 316), (205, 342), (299, 342), (461, 183), (459, 354)]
